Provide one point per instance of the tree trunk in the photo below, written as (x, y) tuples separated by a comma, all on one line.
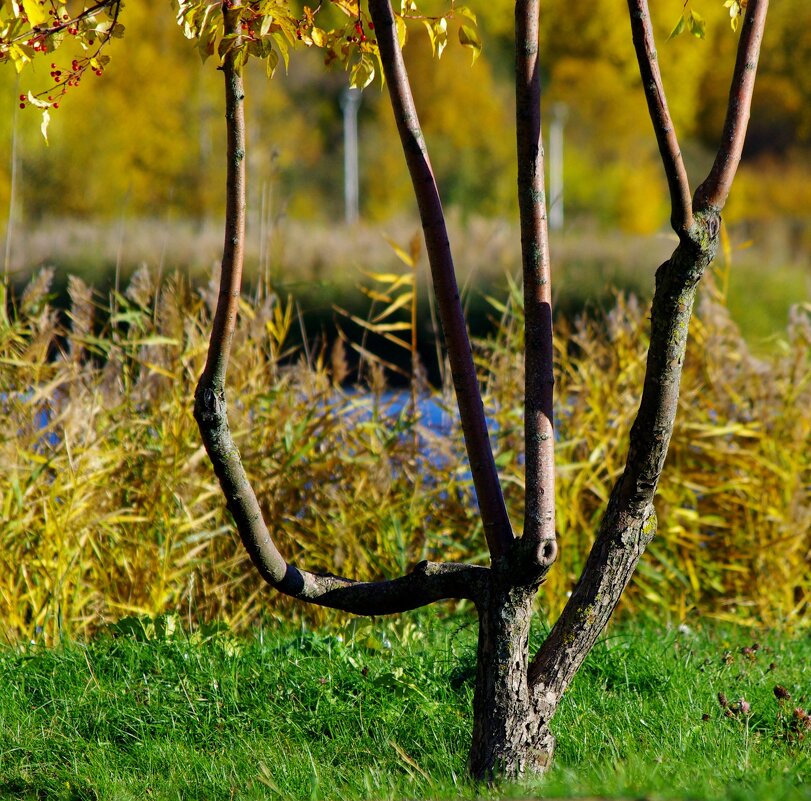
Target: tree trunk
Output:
[(510, 736)]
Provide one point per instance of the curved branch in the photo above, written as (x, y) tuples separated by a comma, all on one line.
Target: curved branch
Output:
[(681, 215), (713, 193), (539, 439), (497, 528), (429, 581)]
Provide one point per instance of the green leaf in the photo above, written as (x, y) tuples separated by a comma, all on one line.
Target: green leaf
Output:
[(272, 63), (284, 49), (696, 24), (260, 48), (469, 37), (466, 12), (440, 35), (735, 11), (227, 43), (678, 30)]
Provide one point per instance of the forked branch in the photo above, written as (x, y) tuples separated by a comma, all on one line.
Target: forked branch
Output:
[(630, 522), (539, 439), (713, 193), (428, 582), (497, 528), (681, 217)]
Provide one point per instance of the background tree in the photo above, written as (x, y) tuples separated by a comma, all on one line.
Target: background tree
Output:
[(516, 694), (515, 698)]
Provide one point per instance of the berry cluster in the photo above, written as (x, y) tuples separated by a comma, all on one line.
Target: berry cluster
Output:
[(361, 35), (37, 44), (65, 79)]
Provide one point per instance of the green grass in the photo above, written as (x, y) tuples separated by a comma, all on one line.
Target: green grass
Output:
[(383, 711)]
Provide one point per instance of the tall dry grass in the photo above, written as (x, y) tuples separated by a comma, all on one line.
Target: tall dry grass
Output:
[(734, 503), (109, 506)]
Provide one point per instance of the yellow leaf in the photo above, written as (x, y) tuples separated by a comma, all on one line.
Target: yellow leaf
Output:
[(401, 254), (384, 278), (363, 73), (36, 12), (402, 30)]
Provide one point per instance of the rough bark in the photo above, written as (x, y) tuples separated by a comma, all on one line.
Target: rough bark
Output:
[(509, 738), (505, 747), (515, 701), (629, 523)]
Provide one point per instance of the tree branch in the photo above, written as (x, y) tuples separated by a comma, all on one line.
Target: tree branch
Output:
[(429, 581), (713, 193), (629, 522), (225, 317), (539, 439), (497, 528), (681, 217)]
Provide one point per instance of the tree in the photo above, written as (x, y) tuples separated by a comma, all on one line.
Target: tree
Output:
[(516, 693)]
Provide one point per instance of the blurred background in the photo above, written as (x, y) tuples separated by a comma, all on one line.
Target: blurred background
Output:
[(113, 232), (134, 171)]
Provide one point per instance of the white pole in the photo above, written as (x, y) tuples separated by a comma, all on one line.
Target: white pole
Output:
[(13, 189), (350, 103), (559, 112)]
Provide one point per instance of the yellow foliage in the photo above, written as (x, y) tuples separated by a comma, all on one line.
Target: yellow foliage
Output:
[(643, 205), (146, 138)]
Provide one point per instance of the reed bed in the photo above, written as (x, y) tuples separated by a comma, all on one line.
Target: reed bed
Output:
[(110, 508)]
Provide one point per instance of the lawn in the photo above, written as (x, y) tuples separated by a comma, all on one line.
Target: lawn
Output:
[(378, 710)]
